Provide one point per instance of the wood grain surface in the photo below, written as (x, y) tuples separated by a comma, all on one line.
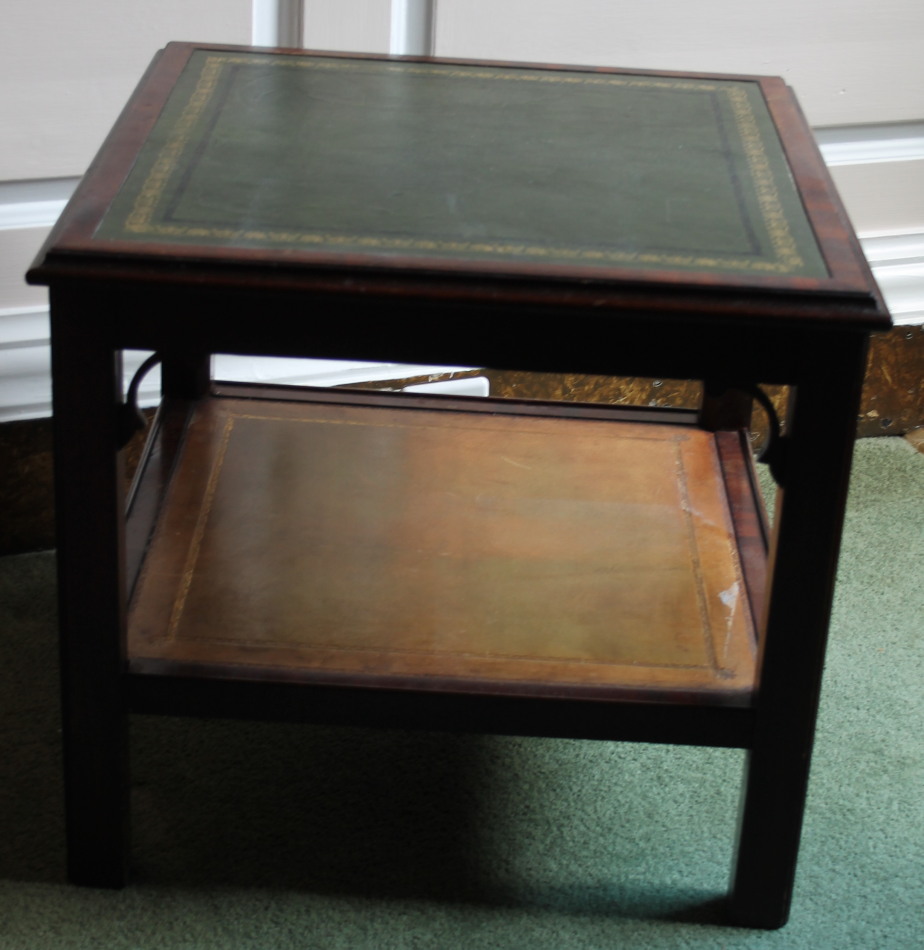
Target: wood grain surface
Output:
[(481, 546)]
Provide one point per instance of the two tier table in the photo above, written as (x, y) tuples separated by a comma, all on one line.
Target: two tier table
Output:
[(445, 563)]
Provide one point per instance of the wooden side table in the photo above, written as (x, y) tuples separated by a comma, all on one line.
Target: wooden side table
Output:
[(497, 566)]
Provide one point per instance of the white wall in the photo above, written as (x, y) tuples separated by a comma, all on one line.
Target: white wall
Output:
[(67, 66), (852, 61)]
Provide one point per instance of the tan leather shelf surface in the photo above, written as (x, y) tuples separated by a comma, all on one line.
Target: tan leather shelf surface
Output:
[(321, 541)]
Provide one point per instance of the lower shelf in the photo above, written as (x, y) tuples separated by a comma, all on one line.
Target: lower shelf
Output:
[(387, 545)]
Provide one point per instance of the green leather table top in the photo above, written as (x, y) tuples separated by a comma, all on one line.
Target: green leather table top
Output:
[(449, 162)]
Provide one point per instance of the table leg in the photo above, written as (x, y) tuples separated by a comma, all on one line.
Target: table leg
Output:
[(185, 375), (724, 407), (805, 549), (90, 526)]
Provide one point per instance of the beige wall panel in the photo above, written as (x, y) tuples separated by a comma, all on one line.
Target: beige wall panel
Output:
[(67, 67), (883, 197), (851, 62), (355, 26)]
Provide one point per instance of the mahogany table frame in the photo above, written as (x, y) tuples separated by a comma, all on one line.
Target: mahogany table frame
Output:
[(808, 333)]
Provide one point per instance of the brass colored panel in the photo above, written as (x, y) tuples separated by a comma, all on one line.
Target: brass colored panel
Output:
[(892, 402), (621, 391), (893, 394)]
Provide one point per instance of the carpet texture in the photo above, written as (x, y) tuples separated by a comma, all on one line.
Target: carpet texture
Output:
[(269, 836)]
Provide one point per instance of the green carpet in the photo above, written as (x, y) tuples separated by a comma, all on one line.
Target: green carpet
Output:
[(300, 837)]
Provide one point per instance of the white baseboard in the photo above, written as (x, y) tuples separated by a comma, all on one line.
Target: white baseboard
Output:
[(33, 204), (868, 145), (897, 261)]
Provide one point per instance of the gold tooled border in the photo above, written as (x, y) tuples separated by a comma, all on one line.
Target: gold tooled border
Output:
[(140, 220)]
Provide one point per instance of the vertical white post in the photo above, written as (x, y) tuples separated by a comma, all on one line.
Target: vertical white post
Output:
[(411, 27), (277, 22)]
